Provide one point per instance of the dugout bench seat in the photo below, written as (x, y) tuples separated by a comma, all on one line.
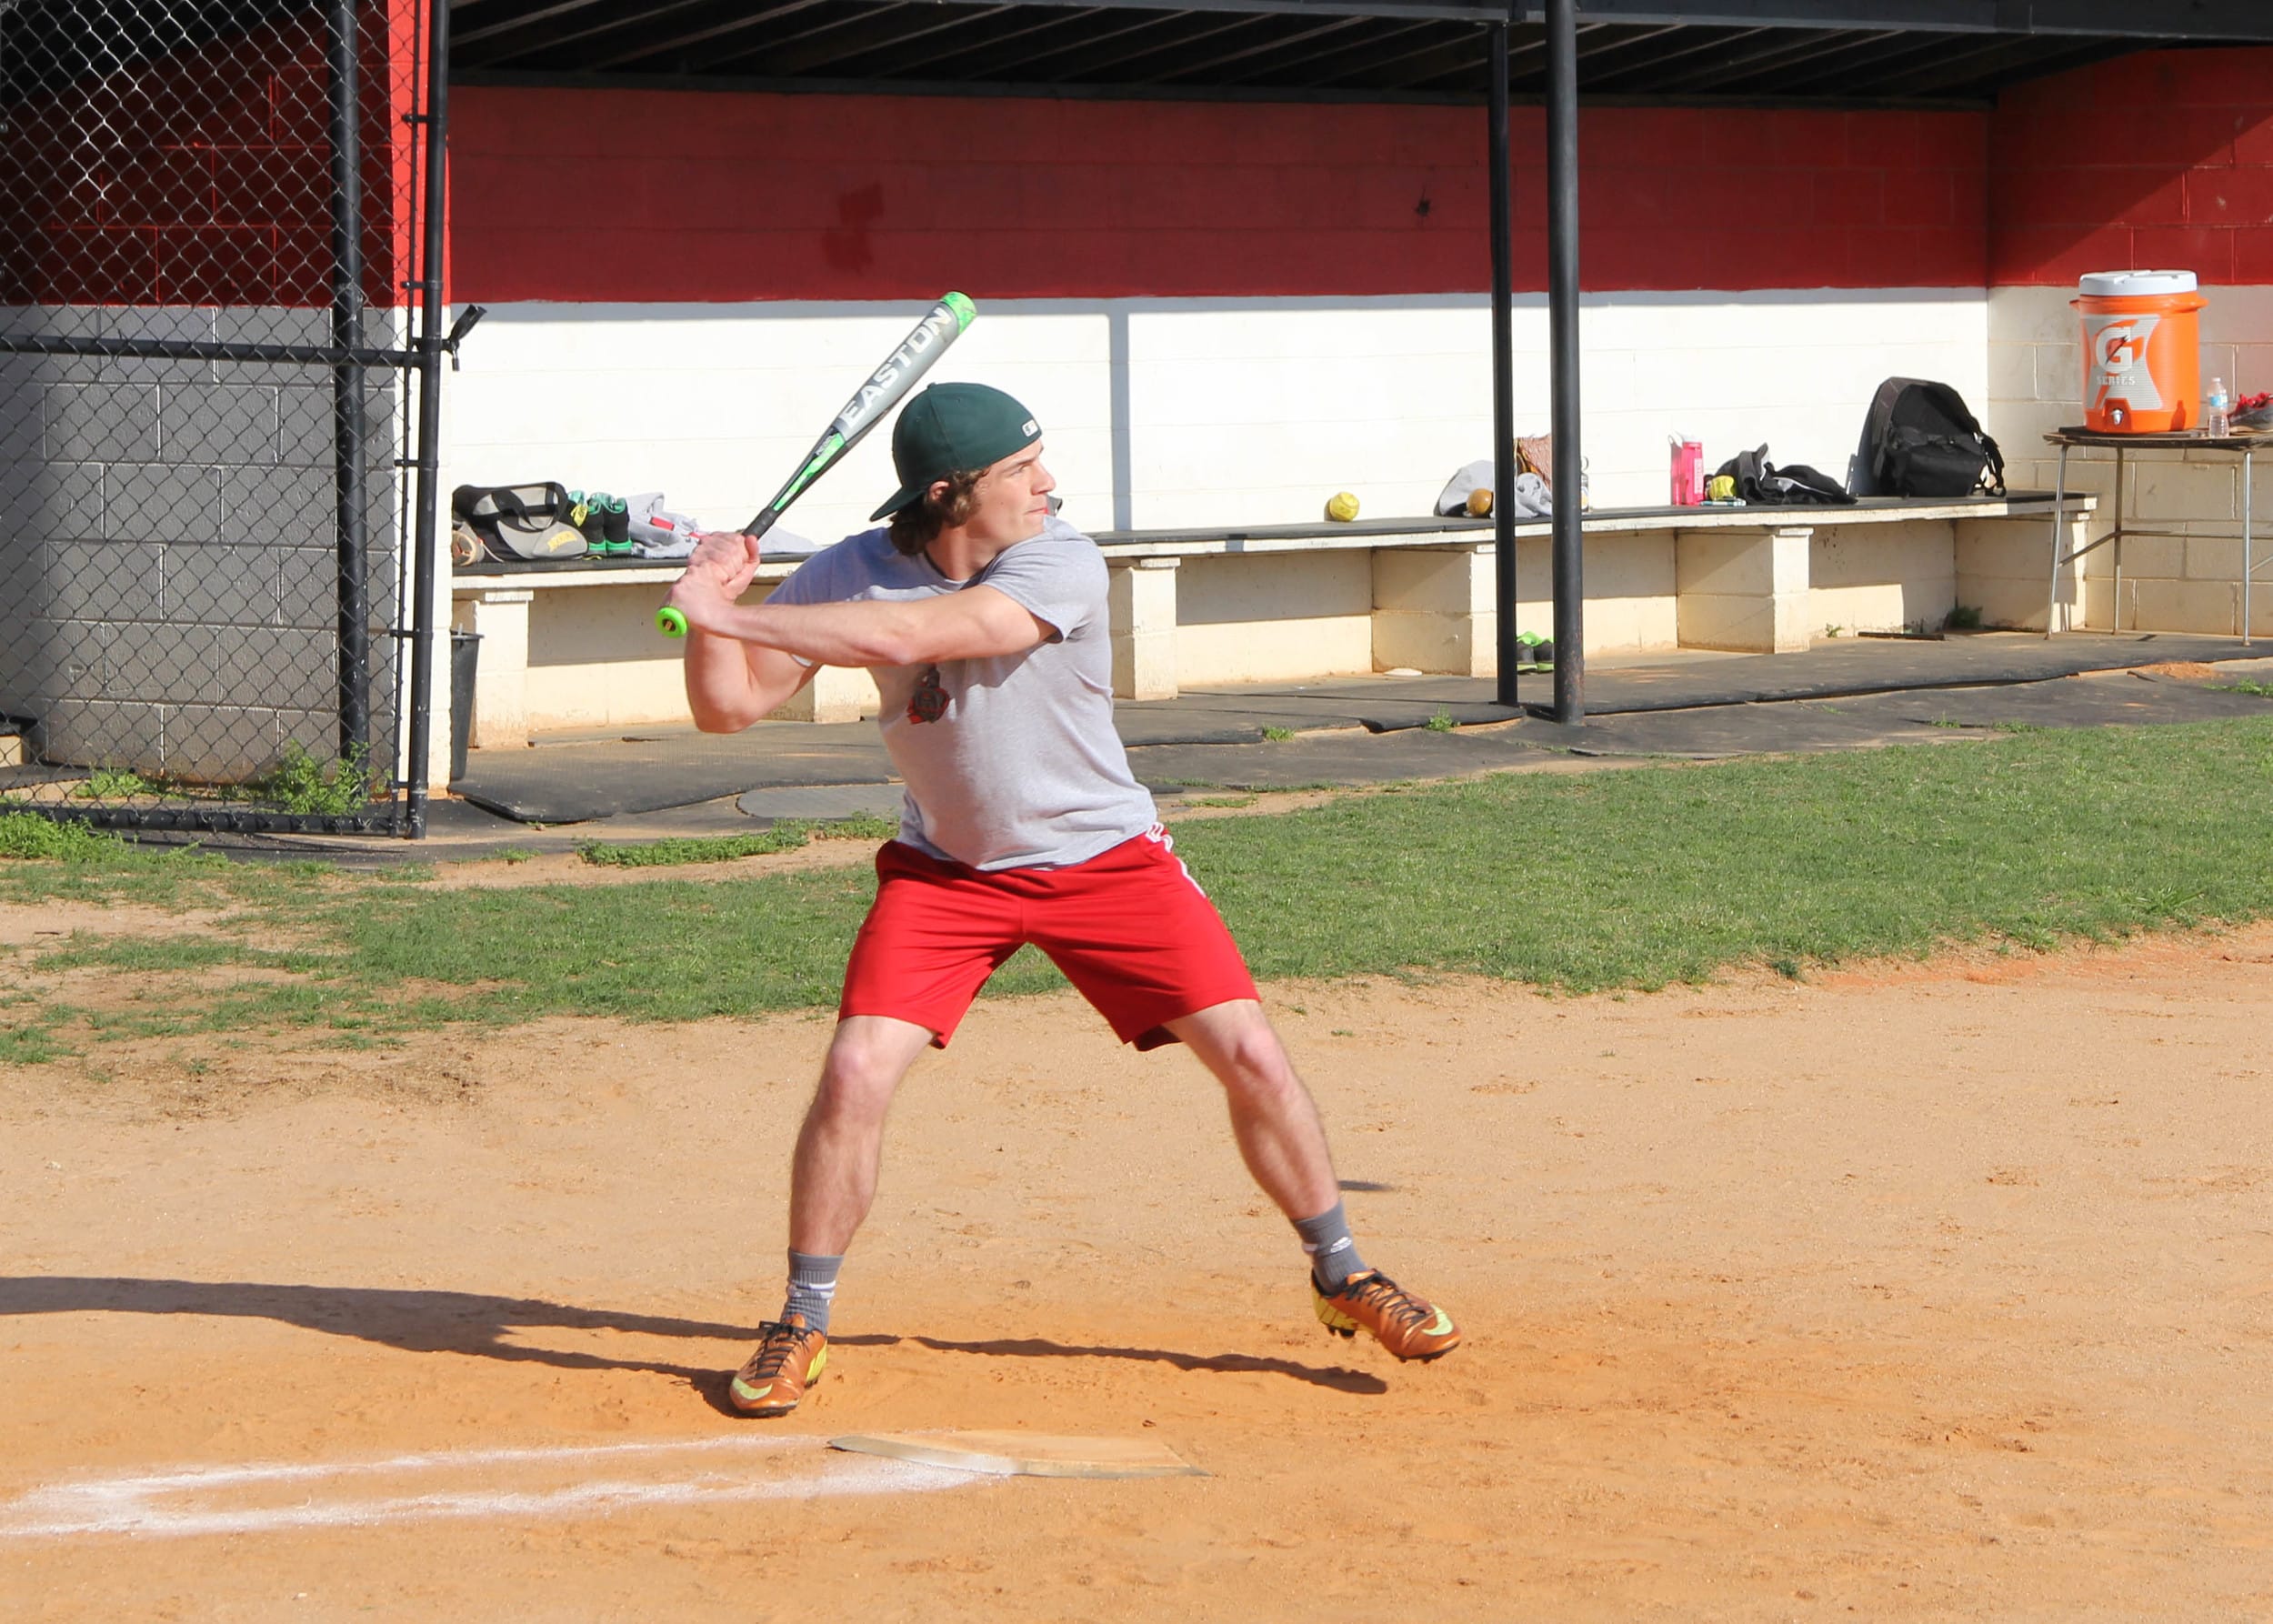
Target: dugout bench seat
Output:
[(570, 647)]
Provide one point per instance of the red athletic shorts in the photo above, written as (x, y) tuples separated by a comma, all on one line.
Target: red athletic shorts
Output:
[(1130, 927)]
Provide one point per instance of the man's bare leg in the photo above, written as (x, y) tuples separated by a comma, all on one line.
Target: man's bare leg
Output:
[(832, 1182), (1284, 1144), (841, 1146), (1272, 1117)]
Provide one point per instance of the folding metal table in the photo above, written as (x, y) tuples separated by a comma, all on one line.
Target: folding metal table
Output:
[(2244, 446)]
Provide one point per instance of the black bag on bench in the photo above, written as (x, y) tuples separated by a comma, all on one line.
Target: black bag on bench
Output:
[(1920, 440), (520, 522), (1760, 482)]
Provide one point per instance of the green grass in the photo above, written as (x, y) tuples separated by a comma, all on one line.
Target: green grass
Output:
[(1279, 736), (28, 835), (720, 848), (1441, 722), (2263, 690), (34, 1042), (662, 950), (300, 783), (1644, 877), (113, 784), (1635, 878), (72, 862)]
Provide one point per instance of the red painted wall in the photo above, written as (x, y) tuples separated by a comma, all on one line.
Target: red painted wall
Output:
[(663, 195), (205, 177), (2161, 160)]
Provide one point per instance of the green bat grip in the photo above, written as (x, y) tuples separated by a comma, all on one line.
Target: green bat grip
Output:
[(670, 622)]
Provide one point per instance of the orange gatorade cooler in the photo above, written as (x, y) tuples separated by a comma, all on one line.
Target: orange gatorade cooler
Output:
[(2142, 365)]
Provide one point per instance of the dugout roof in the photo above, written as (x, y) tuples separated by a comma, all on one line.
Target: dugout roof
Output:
[(1948, 53)]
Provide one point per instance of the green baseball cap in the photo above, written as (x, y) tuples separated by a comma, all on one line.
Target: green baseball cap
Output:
[(949, 428)]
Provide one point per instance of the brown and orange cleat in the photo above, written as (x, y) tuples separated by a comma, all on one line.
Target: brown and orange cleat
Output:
[(1399, 1321), (789, 1358)]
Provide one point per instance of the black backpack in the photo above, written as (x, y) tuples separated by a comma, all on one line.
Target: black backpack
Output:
[(1920, 440)]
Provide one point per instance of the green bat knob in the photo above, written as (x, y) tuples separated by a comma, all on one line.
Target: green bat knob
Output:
[(670, 622), (965, 311)]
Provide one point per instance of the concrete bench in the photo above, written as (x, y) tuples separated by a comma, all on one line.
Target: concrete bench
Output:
[(572, 647)]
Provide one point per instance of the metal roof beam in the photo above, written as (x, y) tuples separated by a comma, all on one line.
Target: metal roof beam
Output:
[(2231, 20), (1146, 25), (1656, 61), (1993, 62), (1419, 39), (1461, 10), (1371, 47), (507, 24), (1444, 59), (843, 37), (1215, 65), (2203, 20), (2131, 19), (1015, 24), (722, 18), (1864, 72), (1180, 55), (1783, 52), (568, 21), (1070, 62)]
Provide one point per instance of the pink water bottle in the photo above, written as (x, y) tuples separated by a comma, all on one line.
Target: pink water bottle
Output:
[(1688, 473)]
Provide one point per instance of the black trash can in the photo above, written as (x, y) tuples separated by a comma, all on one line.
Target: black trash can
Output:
[(465, 649)]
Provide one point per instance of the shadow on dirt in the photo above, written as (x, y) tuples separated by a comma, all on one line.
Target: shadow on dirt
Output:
[(469, 1323), (414, 1321), (1341, 1379)]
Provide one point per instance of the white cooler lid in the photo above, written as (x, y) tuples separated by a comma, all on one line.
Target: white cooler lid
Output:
[(2133, 285)]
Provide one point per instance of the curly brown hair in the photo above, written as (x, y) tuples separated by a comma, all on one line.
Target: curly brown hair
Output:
[(916, 526)]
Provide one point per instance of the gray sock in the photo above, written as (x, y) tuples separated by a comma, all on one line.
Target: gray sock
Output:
[(812, 1287), (1333, 1254)]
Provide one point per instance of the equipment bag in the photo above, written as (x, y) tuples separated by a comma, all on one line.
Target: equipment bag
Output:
[(1920, 440), (520, 522), (1760, 481)]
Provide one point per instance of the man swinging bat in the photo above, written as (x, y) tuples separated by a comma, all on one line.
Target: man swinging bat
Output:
[(983, 620)]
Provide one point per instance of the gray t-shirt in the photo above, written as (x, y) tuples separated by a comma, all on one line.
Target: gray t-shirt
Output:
[(1023, 769)]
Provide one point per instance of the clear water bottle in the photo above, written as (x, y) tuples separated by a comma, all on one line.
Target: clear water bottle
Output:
[(2217, 411)]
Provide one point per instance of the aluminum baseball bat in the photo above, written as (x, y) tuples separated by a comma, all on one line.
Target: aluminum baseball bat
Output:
[(884, 388)]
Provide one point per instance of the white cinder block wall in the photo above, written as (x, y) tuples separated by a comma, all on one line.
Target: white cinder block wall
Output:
[(2189, 583), (716, 405), (1201, 413)]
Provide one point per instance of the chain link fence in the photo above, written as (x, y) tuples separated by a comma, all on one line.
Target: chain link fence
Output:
[(209, 220)]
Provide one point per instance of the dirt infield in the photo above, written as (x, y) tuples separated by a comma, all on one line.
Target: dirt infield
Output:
[(1940, 1292)]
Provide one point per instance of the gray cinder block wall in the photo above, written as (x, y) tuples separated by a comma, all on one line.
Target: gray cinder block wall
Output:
[(168, 562)]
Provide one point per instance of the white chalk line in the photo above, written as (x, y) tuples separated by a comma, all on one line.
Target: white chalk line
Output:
[(133, 1505), (198, 1477)]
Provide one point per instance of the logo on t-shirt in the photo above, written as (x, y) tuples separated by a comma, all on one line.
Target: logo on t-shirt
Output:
[(928, 703)]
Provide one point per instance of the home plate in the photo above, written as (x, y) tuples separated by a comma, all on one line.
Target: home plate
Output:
[(1025, 1454)]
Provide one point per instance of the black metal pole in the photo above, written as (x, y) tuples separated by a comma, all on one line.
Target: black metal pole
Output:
[(1508, 651), (1562, 250), (347, 419), (430, 346)]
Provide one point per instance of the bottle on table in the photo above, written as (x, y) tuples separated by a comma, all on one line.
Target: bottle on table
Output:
[(2217, 411)]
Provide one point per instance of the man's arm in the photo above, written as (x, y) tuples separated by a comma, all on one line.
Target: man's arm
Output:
[(730, 684), (740, 667), (973, 623)]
